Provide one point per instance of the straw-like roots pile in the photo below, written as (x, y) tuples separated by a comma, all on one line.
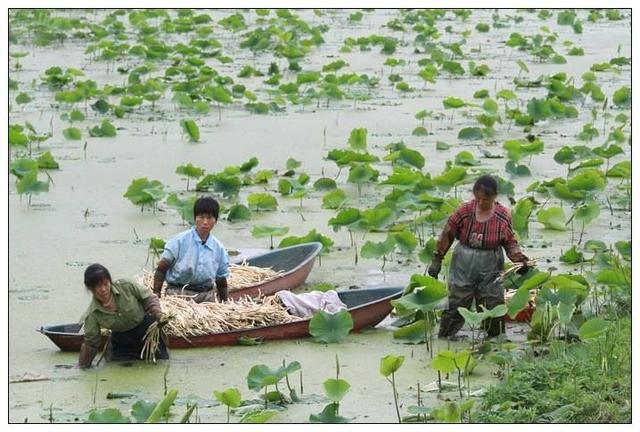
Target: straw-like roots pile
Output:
[(189, 318), (240, 276), (184, 318)]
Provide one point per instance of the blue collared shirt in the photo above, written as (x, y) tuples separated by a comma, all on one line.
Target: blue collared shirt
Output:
[(193, 262)]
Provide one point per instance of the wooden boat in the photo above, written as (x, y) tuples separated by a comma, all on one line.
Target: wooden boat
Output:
[(295, 263), (367, 307)]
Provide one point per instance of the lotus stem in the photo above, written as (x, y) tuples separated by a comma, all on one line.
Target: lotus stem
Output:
[(395, 396)]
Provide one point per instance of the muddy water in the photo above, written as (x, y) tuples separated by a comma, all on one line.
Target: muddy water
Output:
[(85, 219)]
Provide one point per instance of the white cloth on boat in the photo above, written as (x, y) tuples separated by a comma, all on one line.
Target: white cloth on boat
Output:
[(306, 304)]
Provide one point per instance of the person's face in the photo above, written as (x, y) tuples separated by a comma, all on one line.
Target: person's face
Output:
[(205, 223), (484, 201), (102, 290)]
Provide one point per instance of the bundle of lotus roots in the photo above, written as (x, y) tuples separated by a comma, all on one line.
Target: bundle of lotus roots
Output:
[(240, 276), (184, 318), (514, 268)]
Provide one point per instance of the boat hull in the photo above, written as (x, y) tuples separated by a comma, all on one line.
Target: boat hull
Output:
[(365, 314)]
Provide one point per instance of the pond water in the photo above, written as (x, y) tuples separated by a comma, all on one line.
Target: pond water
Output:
[(84, 217)]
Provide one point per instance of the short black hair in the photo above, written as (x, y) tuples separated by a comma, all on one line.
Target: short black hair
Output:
[(486, 184), (94, 274), (206, 205)]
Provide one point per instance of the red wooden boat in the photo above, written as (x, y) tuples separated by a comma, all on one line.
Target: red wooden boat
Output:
[(367, 307)]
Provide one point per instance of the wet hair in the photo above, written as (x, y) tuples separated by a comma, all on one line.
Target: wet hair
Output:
[(94, 274), (206, 205), (486, 184)]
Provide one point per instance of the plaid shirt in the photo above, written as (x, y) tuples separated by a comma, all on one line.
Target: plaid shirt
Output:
[(493, 233)]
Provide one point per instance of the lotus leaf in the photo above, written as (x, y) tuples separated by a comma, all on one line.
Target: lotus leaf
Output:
[(336, 389), (162, 408), (622, 97), (620, 170), (517, 170), (358, 139), (450, 178), (259, 231), (552, 218), (261, 376), (324, 184), (390, 364), (328, 415), (624, 247), (453, 102), (587, 180), (72, 133), (191, 129), (46, 161), (258, 416), (376, 250), (190, 170), (425, 297), (184, 207), (377, 218), (466, 158), (472, 318), (22, 167), (518, 302), (414, 332), (595, 246), (406, 241), (346, 217), (30, 184), (330, 328), (562, 191), (334, 199), (361, 173), (608, 152), (141, 410), (471, 133), (426, 254), (311, 236), (613, 277), (444, 362), (520, 216), (16, 137), (108, 415), (593, 328), (262, 202), (238, 212)]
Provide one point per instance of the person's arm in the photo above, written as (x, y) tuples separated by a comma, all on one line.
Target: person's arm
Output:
[(91, 343), (223, 290), (152, 307), (445, 241), (512, 248), (222, 275), (87, 354), (160, 275)]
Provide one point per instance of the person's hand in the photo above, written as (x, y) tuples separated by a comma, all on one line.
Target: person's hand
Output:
[(161, 318), (524, 269), (434, 268), (164, 319)]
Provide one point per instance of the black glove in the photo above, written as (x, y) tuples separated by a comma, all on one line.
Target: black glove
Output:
[(434, 268), (524, 269)]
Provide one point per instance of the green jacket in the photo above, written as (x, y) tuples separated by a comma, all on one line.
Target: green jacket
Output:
[(129, 297)]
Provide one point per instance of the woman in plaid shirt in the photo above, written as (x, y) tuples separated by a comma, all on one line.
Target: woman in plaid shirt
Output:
[(482, 227)]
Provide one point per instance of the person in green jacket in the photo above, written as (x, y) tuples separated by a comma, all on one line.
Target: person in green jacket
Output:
[(124, 307)]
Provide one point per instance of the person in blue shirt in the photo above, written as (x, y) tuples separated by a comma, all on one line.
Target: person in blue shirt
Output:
[(194, 260)]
